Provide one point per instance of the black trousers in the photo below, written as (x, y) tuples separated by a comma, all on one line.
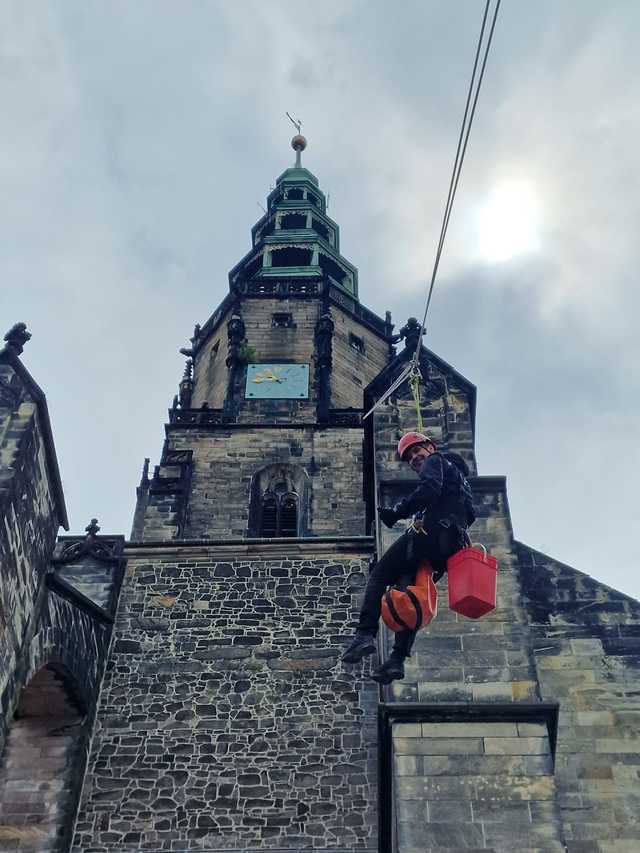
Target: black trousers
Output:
[(398, 565)]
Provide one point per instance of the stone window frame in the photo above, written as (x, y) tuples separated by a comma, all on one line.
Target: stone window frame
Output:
[(282, 320), (356, 343), (279, 483)]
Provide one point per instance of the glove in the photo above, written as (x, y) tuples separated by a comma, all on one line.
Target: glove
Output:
[(387, 515)]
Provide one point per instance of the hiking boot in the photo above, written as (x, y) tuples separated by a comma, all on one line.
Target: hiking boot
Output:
[(391, 670), (361, 646)]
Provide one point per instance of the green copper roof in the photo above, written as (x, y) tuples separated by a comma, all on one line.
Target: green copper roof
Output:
[(295, 238), (294, 174)]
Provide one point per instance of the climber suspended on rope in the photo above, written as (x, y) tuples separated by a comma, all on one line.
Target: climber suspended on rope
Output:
[(442, 505), (442, 510)]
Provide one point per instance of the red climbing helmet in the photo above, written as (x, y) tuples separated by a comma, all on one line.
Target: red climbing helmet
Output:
[(409, 439)]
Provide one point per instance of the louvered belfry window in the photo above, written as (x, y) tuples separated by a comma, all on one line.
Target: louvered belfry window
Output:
[(279, 515), (269, 519), (289, 515)]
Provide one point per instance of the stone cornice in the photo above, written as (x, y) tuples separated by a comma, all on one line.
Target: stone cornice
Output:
[(235, 549)]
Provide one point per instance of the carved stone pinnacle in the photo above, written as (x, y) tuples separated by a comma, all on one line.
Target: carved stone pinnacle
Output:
[(92, 529), (16, 338)]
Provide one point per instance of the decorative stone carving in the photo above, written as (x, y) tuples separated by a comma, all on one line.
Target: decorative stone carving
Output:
[(191, 351), (324, 341), (144, 479), (235, 335), (186, 386), (16, 338), (324, 337), (102, 549)]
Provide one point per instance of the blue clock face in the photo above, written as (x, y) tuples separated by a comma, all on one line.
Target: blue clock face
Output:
[(277, 382)]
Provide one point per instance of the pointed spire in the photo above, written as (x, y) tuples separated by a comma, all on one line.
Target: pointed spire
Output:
[(144, 479)]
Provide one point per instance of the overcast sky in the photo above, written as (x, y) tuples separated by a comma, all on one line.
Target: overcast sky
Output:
[(138, 138)]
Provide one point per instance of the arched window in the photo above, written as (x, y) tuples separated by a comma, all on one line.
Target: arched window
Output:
[(279, 515), (279, 498)]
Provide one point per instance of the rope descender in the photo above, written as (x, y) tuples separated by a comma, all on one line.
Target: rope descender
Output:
[(414, 383)]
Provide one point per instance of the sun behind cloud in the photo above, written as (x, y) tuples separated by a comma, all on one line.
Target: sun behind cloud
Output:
[(508, 223)]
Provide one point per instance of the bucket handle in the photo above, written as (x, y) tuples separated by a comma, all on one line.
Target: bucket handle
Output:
[(479, 545)]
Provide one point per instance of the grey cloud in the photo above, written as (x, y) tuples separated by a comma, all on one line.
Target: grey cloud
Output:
[(140, 137)]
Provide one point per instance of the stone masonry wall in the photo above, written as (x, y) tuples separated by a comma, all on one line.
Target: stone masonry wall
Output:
[(467, 785), (28, 526), (556, 634), (225, 460), (586, 640), (226, 719), (41, 768), (210, 373), (484, 786), (44, 759), (271, 344), (352, 370)]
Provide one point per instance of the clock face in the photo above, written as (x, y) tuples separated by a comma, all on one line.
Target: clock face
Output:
[(277, 382)]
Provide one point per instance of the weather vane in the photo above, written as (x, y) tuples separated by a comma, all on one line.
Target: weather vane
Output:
[(298, 143), (297, 124)]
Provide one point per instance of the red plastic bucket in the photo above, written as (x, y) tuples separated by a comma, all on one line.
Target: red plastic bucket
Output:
[(473, 580)]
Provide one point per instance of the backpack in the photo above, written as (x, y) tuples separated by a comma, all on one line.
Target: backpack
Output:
[(455, 463)]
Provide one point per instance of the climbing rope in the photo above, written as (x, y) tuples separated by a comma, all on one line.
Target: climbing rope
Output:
[(412, 371)]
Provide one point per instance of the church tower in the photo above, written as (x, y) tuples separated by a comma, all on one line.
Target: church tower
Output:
[(272, 392), (227, 720)]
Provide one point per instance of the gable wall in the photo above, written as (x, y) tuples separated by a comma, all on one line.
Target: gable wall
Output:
[(586, 641), (28, 527)]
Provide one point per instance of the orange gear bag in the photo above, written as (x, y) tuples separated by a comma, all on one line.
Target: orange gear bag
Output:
[(412, 608)]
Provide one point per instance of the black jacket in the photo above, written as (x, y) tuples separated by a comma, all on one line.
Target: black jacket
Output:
[(443, 492)]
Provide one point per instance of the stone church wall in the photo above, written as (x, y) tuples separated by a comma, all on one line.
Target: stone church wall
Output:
[(28, 527), (53, 638), (226, 719), (226, 459), (586, 642), (556, 635), (353, 369), (211, 372)]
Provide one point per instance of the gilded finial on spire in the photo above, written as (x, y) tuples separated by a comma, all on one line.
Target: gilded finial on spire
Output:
[(298, 143)]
